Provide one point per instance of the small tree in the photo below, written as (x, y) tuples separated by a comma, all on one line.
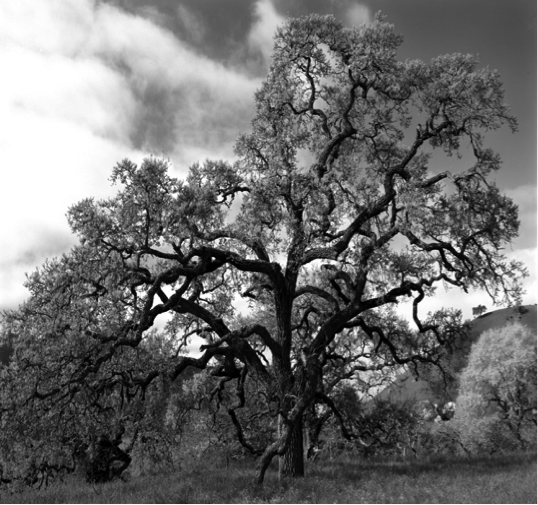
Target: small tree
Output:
[(479, 310), (337, 215), (496, 407)]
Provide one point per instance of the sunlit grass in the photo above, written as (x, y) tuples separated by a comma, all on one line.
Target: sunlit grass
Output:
[(501, 479)]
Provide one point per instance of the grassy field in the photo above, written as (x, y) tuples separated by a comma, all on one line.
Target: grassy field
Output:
[(501, 479)]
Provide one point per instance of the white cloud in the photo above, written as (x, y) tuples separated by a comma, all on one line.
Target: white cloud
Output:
[(85, 93), (48, 165), (59, 27), (358, 14), (122, 73), (263, 30)]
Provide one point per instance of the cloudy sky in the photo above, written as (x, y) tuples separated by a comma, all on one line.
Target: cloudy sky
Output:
[(86, 83)]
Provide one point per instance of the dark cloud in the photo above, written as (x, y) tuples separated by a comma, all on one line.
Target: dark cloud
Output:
[(154, 128), (171, 119), (501, 33), (296, 8)]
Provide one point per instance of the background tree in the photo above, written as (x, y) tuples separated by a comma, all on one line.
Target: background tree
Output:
[(333, 184), (496, 407), (479, 310)]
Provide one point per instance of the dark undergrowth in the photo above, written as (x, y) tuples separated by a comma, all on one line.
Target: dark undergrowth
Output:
[(495, 479)]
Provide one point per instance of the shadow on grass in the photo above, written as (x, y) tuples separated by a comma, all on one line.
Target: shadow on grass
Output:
[(351, 468)]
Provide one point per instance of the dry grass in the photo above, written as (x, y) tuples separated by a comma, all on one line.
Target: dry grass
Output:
[(502, 479)]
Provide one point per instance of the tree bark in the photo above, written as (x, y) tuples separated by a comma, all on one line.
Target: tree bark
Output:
[(291, 463)]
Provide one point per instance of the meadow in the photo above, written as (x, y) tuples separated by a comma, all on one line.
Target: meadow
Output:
[(495, 479)]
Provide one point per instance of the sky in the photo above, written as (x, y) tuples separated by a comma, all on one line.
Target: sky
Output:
[(87, 83)]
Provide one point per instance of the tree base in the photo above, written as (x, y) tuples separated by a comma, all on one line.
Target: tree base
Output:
[(291, 463)]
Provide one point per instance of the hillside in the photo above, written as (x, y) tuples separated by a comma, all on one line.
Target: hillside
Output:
[(407, 388), (525, 314)]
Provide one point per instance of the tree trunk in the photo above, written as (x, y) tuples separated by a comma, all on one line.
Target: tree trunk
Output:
[(291, 463)]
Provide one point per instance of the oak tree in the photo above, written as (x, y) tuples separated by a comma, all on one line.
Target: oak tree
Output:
[(337, 207), (496, 407)]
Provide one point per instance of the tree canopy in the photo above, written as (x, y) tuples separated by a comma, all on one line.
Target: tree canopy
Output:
[(334, 210)]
